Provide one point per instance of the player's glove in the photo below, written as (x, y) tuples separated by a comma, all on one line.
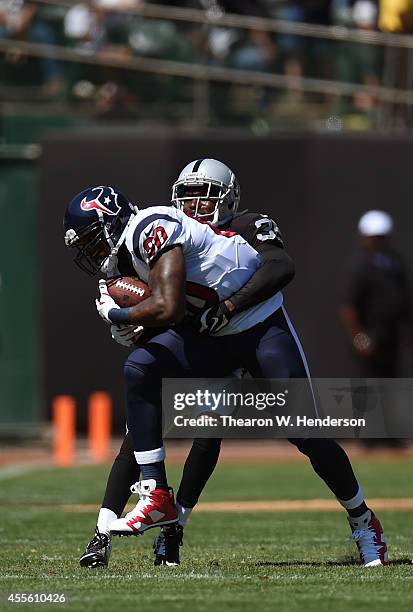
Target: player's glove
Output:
[(213, 319), (127, 335), (105, 303)]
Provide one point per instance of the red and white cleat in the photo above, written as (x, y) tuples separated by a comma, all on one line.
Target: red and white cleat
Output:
[(156, 507), (369, 537)]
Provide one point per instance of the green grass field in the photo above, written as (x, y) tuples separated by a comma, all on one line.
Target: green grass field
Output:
[(243, 561)]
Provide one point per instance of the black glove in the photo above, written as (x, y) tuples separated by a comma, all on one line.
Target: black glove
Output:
[(213, 319)]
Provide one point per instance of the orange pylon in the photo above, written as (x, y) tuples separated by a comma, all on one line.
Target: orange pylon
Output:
[(99, 425), (64, 430)]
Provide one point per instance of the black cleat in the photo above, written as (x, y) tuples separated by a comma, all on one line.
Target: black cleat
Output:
[(97, 552), (166, 545)]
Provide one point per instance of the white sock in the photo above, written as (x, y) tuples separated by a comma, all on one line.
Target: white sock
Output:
[(354, 502), (151, 456), (183, 514), (105, 518)]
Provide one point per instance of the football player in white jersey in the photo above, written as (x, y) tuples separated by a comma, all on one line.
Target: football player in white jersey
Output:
[(172, 252)]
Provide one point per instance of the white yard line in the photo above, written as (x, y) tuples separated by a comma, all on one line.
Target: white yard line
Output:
[(10, 471)]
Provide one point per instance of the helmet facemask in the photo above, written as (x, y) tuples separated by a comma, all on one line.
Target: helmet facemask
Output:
[(97, 244), (225, 197)]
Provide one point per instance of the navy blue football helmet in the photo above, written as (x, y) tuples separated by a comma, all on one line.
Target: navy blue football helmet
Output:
[(95, 224)]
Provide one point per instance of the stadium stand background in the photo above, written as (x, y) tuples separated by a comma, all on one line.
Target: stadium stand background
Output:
[(310, 102)]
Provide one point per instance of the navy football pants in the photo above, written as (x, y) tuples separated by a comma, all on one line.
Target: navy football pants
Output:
[(268, 350)]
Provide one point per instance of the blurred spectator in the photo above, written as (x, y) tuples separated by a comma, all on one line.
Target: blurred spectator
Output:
[(377, 302), (396, 15), (23, 20), (238, 48), (241, 48), (162, 39), (364, 14), (341, 12), (255, 51), (360, 63), (319, 52), (376, 307), (109, 27), (114, 23), (80, 26), (290, 11), (291, 47), (96, 28)]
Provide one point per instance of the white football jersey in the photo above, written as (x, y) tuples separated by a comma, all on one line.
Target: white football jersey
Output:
[(217, 263)]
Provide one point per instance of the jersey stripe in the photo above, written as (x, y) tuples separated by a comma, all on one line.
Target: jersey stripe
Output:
[(303, 357), (144, 223)]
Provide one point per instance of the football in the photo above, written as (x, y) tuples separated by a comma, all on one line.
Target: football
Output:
[(128, 291)]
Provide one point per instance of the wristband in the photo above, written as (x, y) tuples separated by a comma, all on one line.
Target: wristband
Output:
[(119, 315)]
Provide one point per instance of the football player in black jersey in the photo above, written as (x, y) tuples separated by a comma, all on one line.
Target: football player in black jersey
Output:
[(202, 190)]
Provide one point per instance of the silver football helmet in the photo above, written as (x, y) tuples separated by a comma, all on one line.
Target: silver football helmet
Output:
[(216, 183)]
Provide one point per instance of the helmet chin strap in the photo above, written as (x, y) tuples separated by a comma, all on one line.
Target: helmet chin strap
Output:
[(109, 265), (111, 262)]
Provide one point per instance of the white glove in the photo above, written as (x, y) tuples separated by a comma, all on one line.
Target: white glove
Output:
[(105, 303), (127, 335)]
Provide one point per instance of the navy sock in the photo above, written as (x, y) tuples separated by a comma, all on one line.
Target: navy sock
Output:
[(157, 472), (355, 512)]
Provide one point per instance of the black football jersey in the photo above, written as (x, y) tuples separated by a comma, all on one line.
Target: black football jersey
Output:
[(256, 229), (277, 267)]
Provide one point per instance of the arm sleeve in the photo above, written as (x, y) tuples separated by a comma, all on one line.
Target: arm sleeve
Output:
[(275, 272), (155, 235)]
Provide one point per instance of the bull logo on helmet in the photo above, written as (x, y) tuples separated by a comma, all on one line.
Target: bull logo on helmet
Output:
[(105, 201)]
